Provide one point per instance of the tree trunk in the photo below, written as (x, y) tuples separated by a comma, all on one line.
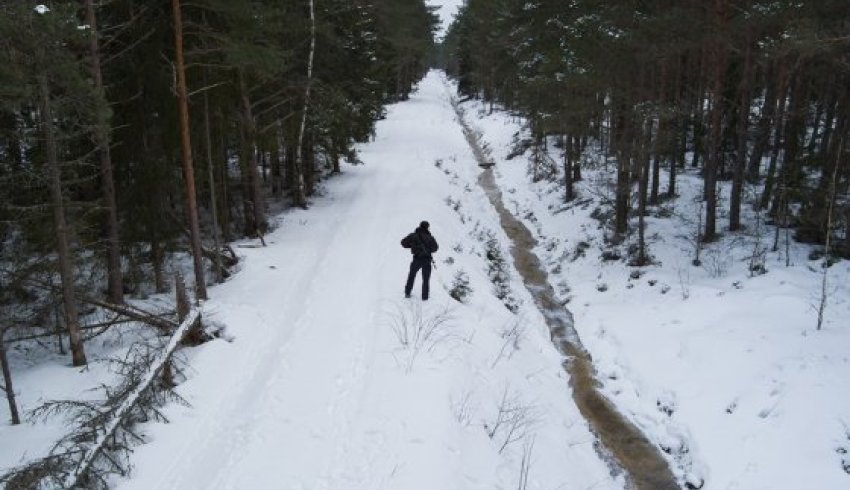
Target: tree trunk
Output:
[(679, 133), (697, 115), (276, 173), (827, 251), (659, 146), (225, 204), (770, 174), (113, 243), (300, 197), (847, 232), (601, 135), (829, 124), (309, 165), (779, 128), (812, 217), (568, 169), (262, 155), (219, 276), (816, 124), (793, 133), (578, 146), (743, 126), (158, 260), (290, 177), (63, 251), (643, 258), (249, 150), (698, 132), (831, 153), (334, 156), (656, 177), (7, 382), (621, 207), (186, 154), (682, 143), (249, 227), (712, 163), (766, 117)]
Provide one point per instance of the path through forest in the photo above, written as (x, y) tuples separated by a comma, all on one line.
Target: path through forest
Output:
[(308, 393)]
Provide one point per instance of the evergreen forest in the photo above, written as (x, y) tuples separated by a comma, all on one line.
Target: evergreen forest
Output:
[(643, 216), (134, 130), (753, 93)]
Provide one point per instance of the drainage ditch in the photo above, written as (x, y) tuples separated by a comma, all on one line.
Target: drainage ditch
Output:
[(621, 440)]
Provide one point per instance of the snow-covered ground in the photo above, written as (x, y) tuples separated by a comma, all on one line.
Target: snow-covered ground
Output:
[(317, 391), (330, 379), (41, 374), (725, 371)]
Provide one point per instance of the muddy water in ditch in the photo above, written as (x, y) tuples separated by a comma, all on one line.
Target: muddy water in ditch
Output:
[(644, 466)]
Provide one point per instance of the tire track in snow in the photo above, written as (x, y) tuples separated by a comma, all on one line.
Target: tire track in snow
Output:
[(348, 350), (309, 329), (359, 443), (257, 370)]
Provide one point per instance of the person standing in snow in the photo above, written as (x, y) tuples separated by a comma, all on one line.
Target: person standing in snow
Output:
[(421, 244)]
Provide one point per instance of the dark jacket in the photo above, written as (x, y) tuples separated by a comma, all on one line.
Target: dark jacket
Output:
[(421, 244)]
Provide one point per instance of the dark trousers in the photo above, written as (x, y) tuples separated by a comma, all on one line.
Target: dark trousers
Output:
[(425, 265)]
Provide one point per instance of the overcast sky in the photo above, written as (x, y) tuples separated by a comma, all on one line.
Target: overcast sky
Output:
[(447, 12)]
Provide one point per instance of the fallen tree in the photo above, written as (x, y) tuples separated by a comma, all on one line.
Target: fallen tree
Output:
[(96, 449), (103, 436)]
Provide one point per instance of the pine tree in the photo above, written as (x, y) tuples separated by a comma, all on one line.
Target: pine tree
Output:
[(694, 72)]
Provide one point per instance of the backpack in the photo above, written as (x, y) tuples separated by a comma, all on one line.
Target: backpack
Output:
[(418, 246)]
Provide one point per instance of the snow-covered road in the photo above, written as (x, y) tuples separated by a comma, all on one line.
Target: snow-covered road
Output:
[(310, 395)]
